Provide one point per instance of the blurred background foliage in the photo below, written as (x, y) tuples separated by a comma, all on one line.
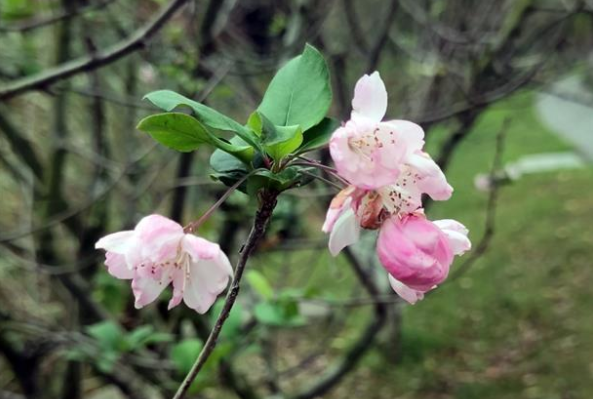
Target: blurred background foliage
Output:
[(504, 91)]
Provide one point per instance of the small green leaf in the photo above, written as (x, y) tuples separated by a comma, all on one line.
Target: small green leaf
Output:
[(318, 136), (278, 141), (300, 93), (177, 131), (260, 284), (169, 100), (185, 133)]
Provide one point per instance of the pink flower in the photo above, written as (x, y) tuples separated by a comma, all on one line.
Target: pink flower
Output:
[(367, 152), (354, 208), (418, 253), (158, 252)]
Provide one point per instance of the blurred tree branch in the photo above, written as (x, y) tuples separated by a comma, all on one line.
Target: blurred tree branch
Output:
[(135, 42)]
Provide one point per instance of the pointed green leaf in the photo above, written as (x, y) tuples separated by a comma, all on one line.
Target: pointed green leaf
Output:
[(177, 131), (300, 93), (185, 133), (318, 136), (169, 100), (278, 141)]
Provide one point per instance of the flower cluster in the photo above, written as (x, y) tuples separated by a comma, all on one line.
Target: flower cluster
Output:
[(157, 253), (389, 172)]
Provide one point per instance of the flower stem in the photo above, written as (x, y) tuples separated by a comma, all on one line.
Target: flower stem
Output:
[(191, 227), (260, 223)]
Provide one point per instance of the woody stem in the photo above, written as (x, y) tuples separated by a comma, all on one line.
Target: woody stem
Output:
[(260, 223)]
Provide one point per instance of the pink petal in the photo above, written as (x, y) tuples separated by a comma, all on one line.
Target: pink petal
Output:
[(414, 251), (432, 180), (117, 266), (117, 242), (410, 135), (370, 98), (456, 234), (346, 231), (333, 214), (146, 289), (159, 237), (205, 281), (408, 294), (199, 248)]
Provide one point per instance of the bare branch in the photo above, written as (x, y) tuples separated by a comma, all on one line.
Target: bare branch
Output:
[(87, 63), (40, 22), (262, 218)]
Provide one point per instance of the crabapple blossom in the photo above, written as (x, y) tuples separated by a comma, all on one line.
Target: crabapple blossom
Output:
[(367, 152), (418, 253), (157, 253), (354, 208)]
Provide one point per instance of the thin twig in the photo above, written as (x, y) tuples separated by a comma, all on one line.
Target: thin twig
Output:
[(484, 243), (197, 223), (260, 223), (137, 41)]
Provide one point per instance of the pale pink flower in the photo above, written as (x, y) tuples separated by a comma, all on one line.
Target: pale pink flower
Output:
[(354, 208), (367, 152), (418, 253), (158, 252)]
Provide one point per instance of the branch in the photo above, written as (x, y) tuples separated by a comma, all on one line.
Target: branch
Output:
[(35, 23), (262, 218), (355, 353), (88, 63), (484, 243)]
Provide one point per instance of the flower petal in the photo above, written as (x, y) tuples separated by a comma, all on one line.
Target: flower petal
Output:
[(199, 248), (456, 234), (117, 242), (409, 134), (431, 179), (370, 98), (117, 266), (146, 288), (206, 279), (346, 231), (159, 237), (408, 294)]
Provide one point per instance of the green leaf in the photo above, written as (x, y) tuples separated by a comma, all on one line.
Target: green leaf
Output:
[(260, 284), (278, 141), (300, 93), (318, 136), (185, 353), (108, 334), (177, 131), (169, 100), (185, 133)]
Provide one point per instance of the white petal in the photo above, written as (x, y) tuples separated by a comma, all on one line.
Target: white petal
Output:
[(408, 294), (457, 235), (370, 98), (117, 243), (205, 281), (409, 134), (199, 248), (346, 231), (147, 289), (117, 266)]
